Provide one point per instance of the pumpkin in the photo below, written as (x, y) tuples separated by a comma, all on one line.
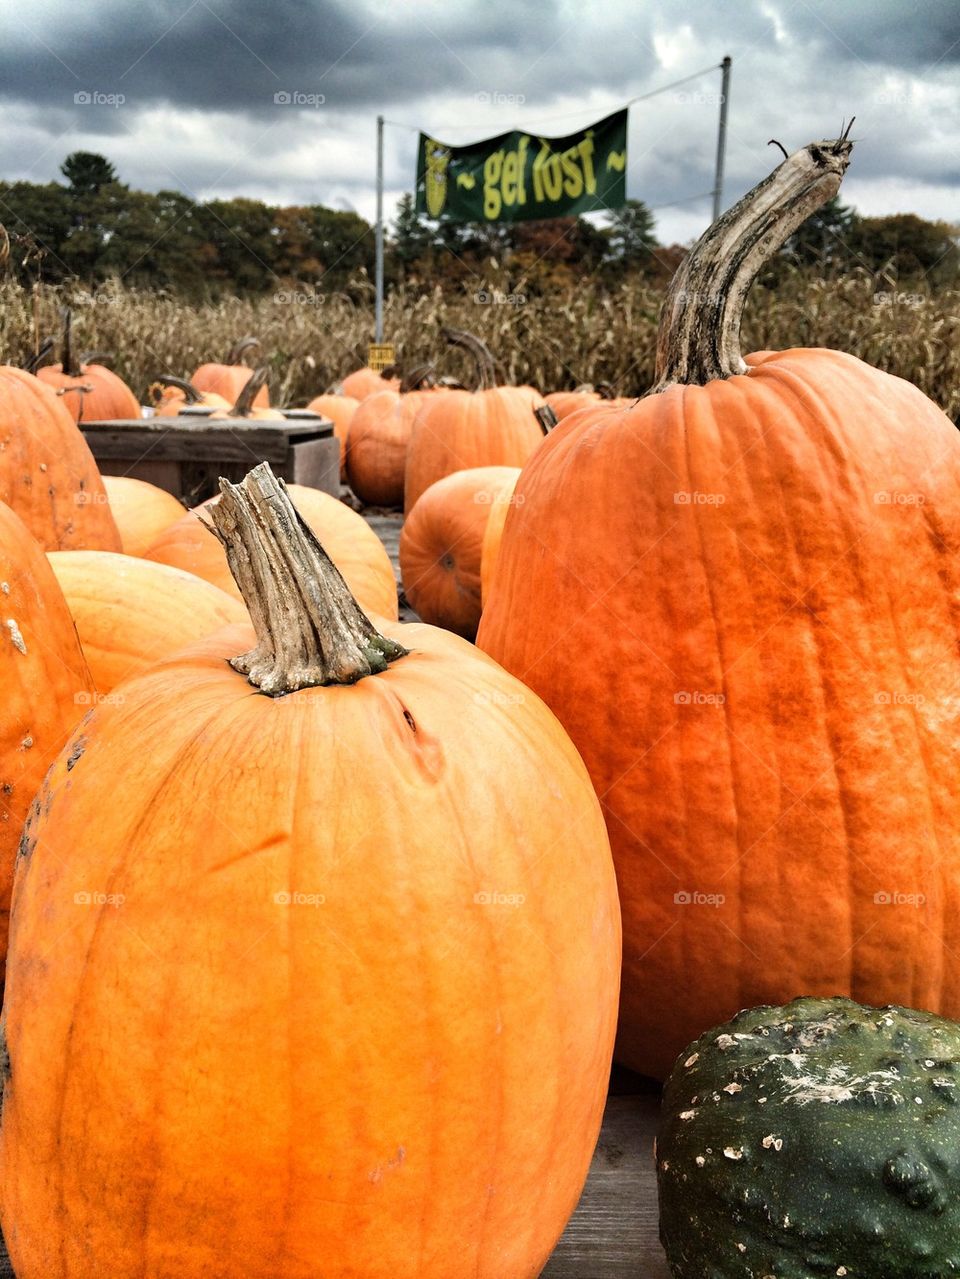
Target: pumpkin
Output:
[(564, 403), (492, 537), (762, 561), (131, 612), (141, 511), (366, 381), (459, 430), (340, 410), (246, 402), (47, 688), (47, 472), (372, 878), (351, 543), (90, 391), (818, 1138), (441, 542), (377, 446), (170, 395), (229, 378)]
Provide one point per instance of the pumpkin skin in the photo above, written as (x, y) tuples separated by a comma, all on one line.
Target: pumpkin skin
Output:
[(753, 609), (377, 445), (140, 510), (565, 402), (172, 401), (47, 472), (47, 688), (229, 378), (130, 613), (363, 382), (459, 430), (349, 541), (832, 1127), (457, 1154), (441, 543), (492, 537), (111, 398), (340, 410)]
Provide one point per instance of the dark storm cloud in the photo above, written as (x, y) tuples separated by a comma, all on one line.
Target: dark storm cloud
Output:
[(913, 36)]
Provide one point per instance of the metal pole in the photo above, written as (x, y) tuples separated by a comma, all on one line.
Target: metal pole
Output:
[(721, 139), (379, 266)]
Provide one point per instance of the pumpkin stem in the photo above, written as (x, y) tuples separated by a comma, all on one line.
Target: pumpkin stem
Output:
[(190, 393), (44, 350), (699, 336), (244, 404), (96, 357), (483, 357), (419, 379), (68, 364), (239, 349), (310, 629)]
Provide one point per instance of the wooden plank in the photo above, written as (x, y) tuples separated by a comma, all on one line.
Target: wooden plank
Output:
[(134, 445), (315, 425)]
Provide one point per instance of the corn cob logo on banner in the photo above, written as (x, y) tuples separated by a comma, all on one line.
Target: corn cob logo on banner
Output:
[(521, 176)]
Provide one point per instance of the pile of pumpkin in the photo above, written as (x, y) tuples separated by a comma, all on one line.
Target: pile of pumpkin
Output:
[(315, 937)]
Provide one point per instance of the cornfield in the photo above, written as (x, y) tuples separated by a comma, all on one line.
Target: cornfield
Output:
[(589, 334)]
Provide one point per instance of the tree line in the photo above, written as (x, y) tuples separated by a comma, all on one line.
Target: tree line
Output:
[(93, 227)]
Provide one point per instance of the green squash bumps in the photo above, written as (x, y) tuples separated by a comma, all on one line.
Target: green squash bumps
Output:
[(820, 1138)]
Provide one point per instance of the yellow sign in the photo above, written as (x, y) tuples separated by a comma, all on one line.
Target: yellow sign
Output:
[(380, 355)]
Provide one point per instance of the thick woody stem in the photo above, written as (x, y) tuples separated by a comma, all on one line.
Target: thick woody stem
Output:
[(486, 364)]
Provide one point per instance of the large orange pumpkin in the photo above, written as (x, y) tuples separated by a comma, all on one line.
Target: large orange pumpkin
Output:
[(740, 597), (492, 537), (441, 543), (377, 445), (47, 688), (360, 932), (132, 612), (90, 391), (47, 472), (363, 382), (350, 541), (141, 511), (458, 430), (229, 378), (340, 410)]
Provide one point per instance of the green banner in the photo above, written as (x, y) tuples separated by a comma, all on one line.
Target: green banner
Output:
[(521, 176)]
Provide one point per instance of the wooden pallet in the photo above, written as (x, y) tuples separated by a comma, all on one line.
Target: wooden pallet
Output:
[(186, 455)]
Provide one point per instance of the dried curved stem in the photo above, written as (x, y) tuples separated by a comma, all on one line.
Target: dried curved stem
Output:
[(240, 348), (95, 357), (40, 357), (244, 404), (67, 363), (190, 393), (310, 629), (419, 379), (699, 336), (482, 355)]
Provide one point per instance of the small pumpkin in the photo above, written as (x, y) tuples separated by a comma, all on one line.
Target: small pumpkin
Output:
[(366, 381), (229, 378), (90, 391), (246, 401), (441, 543), (340, 409), (47, 688), (458, 430), (47, 472), (378, 856), (141, 511), (170, 395), (762, 561), (132, 612), (350, 541)]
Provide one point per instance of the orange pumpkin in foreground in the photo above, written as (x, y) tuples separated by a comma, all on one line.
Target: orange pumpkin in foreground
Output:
[(383, 909), (47, 688), (441, 543), (458, 430), (229, 378), (350, 541), (90, 391), (140, 510), (47, 472), (740, 598), (340, 410), (130, 612)]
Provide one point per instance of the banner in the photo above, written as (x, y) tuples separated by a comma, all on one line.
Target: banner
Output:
[(521, 176)]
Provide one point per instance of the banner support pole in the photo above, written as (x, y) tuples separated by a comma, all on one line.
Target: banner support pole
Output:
[(721, 139), (379, 236)]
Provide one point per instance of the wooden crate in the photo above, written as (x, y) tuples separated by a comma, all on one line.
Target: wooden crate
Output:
[(186, 455)]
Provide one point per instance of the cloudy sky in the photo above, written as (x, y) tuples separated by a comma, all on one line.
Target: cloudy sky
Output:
[(278, 101)]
